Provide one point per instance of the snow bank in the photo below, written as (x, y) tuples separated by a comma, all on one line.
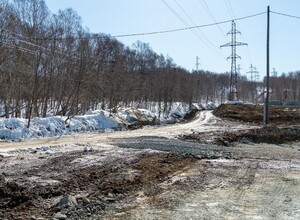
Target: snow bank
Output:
[(13, 128), (16, 128), (98, 120), (175, 112), (159, 114)]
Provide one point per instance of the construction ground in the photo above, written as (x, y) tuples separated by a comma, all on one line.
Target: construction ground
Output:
[(220, 165)]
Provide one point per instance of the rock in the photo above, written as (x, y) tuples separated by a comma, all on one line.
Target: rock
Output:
[(60, 216), (110, 199), (85, 201), (49, 152), (35, 218), (68, 201), (153, 212), (214, 156), (287, 200), (88, 149), (46, 150), (110, 195)]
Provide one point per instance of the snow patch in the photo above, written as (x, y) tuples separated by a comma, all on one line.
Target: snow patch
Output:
[(16, 128), (95, 120)]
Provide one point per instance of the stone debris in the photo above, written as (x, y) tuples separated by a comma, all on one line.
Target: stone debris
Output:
[(60, 216), (68, 201)]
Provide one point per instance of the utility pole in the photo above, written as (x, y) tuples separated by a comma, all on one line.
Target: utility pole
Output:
[(233, 74), (197, 63), (266, 106)]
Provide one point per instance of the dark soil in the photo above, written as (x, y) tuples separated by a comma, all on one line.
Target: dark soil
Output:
[(278, 115), (284, 126), (271, 135), (103, 184)]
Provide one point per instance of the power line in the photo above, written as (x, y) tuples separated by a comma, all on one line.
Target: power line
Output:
[(230, 8), (191, 27), (283, 14), (189, 17), (192, 21), (174, 12), (208, 11), (20, 49), (153, 32), (187, 24), (32, 44)]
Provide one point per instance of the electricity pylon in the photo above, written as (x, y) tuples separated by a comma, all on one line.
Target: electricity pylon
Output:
[(274, 73), (256, 76), (197, 63), (233, 74), (253, 73)]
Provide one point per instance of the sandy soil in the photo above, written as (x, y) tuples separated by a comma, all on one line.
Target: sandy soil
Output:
[(150, 174)]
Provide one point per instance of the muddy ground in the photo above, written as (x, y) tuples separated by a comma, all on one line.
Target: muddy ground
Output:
[(283, 127), (151, 174), (278, 115)]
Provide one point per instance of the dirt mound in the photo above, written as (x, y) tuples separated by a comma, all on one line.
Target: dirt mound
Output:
[(249, 113), (254, 113), (271, 135)]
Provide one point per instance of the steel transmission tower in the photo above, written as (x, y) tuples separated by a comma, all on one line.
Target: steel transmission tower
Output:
[(197, 63), (274, 73), (253, 73), (256, 76), (233, 76)]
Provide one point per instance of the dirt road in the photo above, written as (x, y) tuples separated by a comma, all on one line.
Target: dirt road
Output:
[(149, 174), (204, 122)]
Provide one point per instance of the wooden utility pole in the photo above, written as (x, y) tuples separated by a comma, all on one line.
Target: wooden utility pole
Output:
[(266, 106)]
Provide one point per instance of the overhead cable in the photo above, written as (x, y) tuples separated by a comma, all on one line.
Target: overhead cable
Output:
[(154, 32), (207, 41), (287, 15), (189, 28), (208, 11)]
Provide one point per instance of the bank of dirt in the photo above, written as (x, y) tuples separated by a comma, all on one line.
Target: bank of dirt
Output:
[(271, 135), (278, 115), (283, 128)]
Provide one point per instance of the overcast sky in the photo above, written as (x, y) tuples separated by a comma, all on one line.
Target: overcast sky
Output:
[(117, 17)]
